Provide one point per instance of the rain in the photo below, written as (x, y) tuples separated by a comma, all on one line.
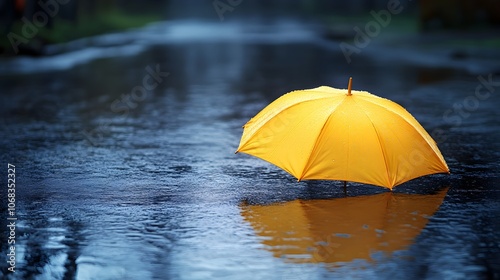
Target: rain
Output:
[(120, 121)]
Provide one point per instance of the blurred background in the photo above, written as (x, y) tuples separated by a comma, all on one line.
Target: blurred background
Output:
[(63, 21), (122, 118)]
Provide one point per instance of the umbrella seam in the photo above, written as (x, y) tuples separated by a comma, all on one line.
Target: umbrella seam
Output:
[(308, 163), (271, 116), (282, 139), (279, 111), (437, 152), (399, 140), (359, 93), (271, 153), (264, 124), (391, 184)]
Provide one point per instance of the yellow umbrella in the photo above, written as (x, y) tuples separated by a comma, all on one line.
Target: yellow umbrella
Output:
[(336, 134), (342, 229)]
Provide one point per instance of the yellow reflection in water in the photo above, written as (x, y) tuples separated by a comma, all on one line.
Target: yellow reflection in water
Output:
[(342, 229)]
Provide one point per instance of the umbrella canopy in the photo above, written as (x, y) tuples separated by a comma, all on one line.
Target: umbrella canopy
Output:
[(338, 134), (342, 229)]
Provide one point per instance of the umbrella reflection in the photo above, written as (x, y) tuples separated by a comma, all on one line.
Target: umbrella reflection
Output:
[(342, 229)]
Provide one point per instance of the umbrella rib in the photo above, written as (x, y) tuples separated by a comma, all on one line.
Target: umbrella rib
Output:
[(277, 116), (273, 116), (426, 139), (298, 177), (381, 147), (281, 140), (320, 134), (435, 154)]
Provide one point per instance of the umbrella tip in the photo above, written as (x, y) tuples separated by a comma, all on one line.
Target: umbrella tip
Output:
[(349, 87)]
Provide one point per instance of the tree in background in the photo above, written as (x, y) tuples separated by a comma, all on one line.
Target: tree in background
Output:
[(446, 14), (27, 25)]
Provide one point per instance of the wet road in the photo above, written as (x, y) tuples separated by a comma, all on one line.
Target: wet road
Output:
[(125, 165)]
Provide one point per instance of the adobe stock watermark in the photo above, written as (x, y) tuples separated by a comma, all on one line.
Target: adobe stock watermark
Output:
[(49, 9), (11, 217), (128, 102), (223, 6), (463, 110), (372, 29), (460, 111)]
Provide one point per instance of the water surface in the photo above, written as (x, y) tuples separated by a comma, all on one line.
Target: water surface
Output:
[(110, 187)]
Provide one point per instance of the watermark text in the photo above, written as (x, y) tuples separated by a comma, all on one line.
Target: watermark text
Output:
[(223, 6), (11, 217)]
